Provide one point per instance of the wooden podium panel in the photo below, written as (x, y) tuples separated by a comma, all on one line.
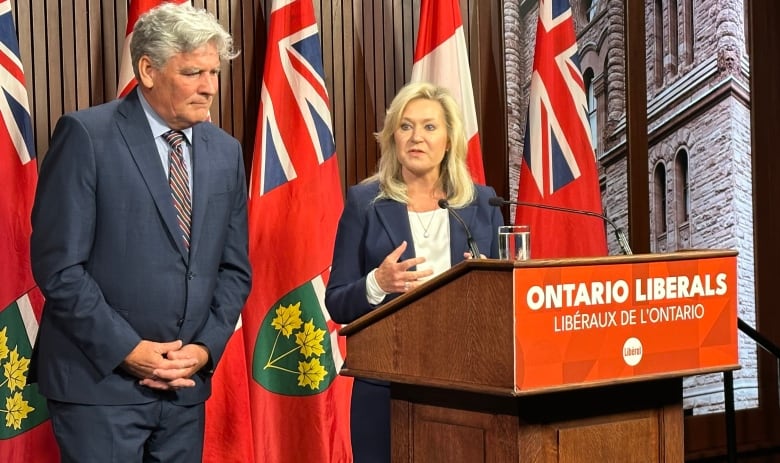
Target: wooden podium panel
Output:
[(433, 425), (448, 351), (641, 422)]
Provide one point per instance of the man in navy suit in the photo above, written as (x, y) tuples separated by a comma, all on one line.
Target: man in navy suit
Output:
[(144, 275)]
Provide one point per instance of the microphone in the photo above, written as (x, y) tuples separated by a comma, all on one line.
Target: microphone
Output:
[(621, 237), (473, 249)]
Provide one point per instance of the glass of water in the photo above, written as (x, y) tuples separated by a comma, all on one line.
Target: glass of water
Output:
[(514, 242)]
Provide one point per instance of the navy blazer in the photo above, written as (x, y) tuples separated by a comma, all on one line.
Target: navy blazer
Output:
[(370, 230), (108, 256)]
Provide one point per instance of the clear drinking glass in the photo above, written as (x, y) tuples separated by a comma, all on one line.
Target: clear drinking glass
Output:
[(514, 242)]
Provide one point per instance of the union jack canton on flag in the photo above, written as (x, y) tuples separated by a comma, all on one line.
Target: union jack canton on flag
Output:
[(299, 58), (14, 106)]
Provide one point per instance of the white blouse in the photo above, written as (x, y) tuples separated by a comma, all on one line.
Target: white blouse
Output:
[(431, 237)]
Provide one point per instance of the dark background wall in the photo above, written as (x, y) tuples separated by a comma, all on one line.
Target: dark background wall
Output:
[(70, 47)]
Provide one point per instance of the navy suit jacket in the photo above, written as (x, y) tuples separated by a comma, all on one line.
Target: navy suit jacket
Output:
[(108, 255), (369, 230)]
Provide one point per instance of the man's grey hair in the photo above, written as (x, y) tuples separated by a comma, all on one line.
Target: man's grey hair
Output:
[(177, 28)]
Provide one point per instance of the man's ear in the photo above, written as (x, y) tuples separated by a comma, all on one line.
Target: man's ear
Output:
[(146, 72)]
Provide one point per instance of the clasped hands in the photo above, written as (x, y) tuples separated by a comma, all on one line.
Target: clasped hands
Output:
[(166, 365)]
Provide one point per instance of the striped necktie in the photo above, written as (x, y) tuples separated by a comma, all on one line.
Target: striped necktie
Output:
[(179, 182)]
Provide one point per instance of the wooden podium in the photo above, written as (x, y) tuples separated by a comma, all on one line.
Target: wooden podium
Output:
[(458, 370)]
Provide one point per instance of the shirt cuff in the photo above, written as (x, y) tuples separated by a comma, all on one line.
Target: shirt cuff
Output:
[(374, 293)]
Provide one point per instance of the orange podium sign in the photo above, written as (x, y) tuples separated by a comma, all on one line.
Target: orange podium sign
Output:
[(598, 323)]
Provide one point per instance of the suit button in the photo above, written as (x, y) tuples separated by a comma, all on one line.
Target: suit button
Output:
[(179, 322), (190, 275)]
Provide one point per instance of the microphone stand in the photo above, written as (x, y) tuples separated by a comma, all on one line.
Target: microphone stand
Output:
[(619, 234), (473, 249)]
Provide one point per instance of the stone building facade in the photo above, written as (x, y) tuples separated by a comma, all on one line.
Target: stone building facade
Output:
[(699, 168)]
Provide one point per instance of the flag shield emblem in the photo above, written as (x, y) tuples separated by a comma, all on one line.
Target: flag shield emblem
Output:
[(293, 348), (21, 406)]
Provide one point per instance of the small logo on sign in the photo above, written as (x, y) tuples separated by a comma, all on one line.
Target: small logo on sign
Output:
[(632, 352)]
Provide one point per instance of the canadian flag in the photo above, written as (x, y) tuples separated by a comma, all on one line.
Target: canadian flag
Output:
[(440, 57)]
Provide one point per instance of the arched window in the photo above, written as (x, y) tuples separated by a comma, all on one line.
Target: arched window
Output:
[(659, 199), (591, 7), (746, 21), (674, 39), (682, 197), (658, 18), (590, 94), (605, 87), (688, 32)]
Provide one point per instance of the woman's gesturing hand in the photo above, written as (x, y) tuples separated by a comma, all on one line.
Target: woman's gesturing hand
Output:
[(395, 277)]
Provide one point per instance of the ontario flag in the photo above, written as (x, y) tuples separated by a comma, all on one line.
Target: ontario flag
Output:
[(299, 403), (134, 11), (559, 166), (25, 429), (440, 57)]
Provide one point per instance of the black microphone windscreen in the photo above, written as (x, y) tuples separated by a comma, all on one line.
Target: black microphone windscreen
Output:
[(496, 201), (444, 204)]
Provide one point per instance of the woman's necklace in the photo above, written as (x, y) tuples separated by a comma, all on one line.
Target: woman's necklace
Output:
[(425, 227), (428, 201)]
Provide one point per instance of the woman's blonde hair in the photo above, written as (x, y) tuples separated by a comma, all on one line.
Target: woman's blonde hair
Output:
[(454, 175)]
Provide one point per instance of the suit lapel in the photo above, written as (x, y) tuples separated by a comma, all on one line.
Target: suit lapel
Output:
[(200, 170), (138, 136), (395, 220)]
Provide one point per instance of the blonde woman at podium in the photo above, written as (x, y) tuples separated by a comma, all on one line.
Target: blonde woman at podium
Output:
[(417, 216)]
